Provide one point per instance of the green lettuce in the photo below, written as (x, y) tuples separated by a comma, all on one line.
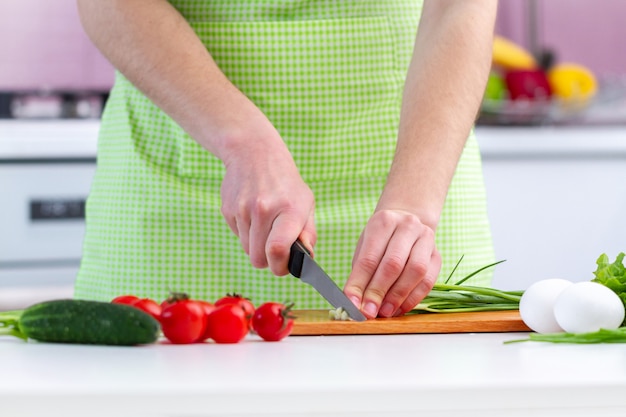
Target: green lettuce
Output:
[(612, 275)]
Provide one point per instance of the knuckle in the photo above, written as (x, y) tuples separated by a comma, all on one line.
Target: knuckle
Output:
[(367, 263), (436, 260), (399, 292), (411, 301), (261, 207), (429, 282), (276, 249), (384, 218), (229, 210), (225, 210), (415, 296), (417, 269), (411, 222), (392, 266), (427, 233), (425, 285)]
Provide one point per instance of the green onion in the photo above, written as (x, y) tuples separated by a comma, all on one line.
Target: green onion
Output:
[(457, 298), (601, 336)]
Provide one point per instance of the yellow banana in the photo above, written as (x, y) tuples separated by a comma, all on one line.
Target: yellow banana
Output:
[(510, 55)]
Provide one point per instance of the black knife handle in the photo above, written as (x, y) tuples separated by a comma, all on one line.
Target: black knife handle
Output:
[(296, 258)]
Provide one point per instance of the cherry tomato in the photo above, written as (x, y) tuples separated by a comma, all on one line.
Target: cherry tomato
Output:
[(146, 305), (165, 303), (149, 306), (245, 303), (273, 321), (183, 322), (227, 324), (125, 299), (174, 297), (208, 309)]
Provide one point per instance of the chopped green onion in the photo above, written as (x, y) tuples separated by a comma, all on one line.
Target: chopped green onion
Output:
[(338, 314)]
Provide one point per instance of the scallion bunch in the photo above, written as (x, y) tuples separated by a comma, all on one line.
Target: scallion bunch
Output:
[(459, 298)]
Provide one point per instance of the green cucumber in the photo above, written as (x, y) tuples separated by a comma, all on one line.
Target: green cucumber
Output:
[(83, 322)]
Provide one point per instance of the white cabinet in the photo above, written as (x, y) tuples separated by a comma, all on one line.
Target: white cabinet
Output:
[(46, 170), (556, 200)]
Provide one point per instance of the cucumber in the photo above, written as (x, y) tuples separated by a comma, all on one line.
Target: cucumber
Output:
[(83, 322)]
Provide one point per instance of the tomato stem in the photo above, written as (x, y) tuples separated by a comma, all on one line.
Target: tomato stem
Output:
[(176, 296)]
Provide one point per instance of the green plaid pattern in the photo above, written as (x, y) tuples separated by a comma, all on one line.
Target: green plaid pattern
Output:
[(329, 76)]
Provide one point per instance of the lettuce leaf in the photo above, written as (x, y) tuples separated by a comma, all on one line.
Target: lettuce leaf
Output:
[(612, 275)]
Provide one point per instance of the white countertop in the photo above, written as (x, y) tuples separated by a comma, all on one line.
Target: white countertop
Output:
[(401, 375), (551, 141), (78, 138), (36, 139)]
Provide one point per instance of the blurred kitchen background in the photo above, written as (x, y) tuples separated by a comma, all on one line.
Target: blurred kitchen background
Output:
[(554, 171)]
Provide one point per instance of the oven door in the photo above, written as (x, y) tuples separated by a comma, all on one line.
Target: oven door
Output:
[(42, 222)]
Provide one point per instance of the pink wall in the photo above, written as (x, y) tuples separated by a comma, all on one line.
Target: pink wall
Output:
[(42, 44), (589, 32)]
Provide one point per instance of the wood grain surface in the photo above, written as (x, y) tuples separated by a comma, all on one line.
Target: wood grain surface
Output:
[(317, 322)]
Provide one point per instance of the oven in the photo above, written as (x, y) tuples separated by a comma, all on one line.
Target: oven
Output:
[(46, 169)]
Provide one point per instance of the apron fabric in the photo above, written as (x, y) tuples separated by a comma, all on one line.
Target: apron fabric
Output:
[(329, 76)]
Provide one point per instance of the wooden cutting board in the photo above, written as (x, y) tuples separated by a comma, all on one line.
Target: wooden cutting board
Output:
[(317, 322)]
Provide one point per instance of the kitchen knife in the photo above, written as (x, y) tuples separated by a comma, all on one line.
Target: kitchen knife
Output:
[(302, 266)]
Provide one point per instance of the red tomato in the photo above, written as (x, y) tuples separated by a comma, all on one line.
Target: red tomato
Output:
[(273, 321), (174, 297), (125, 299), (165, 303), (227, 324), (149, 306), (146, 305), (208, 309), (183, 322), (245, 303)]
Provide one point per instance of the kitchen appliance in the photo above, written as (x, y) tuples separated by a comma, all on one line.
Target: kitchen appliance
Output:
[(46, 169), (53, 104)]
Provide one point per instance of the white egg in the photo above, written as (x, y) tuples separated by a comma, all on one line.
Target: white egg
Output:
[(536, 306), (588, 307)]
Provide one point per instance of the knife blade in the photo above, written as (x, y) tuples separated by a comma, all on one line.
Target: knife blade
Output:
[(302, 266)]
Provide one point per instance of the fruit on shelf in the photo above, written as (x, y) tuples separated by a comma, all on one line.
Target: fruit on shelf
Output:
[(509, 55), (496, 88), (572, 82), (528, 85)]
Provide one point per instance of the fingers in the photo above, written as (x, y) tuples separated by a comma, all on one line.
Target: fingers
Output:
[(395, 265), (263, 215), (265, 201), (285, 229), (268, 227), (423, 287)]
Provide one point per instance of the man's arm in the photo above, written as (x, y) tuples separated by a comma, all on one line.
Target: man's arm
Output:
[(396, 262), (155, 48)]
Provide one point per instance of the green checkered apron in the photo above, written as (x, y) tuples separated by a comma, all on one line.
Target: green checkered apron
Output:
[(329, 76)]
